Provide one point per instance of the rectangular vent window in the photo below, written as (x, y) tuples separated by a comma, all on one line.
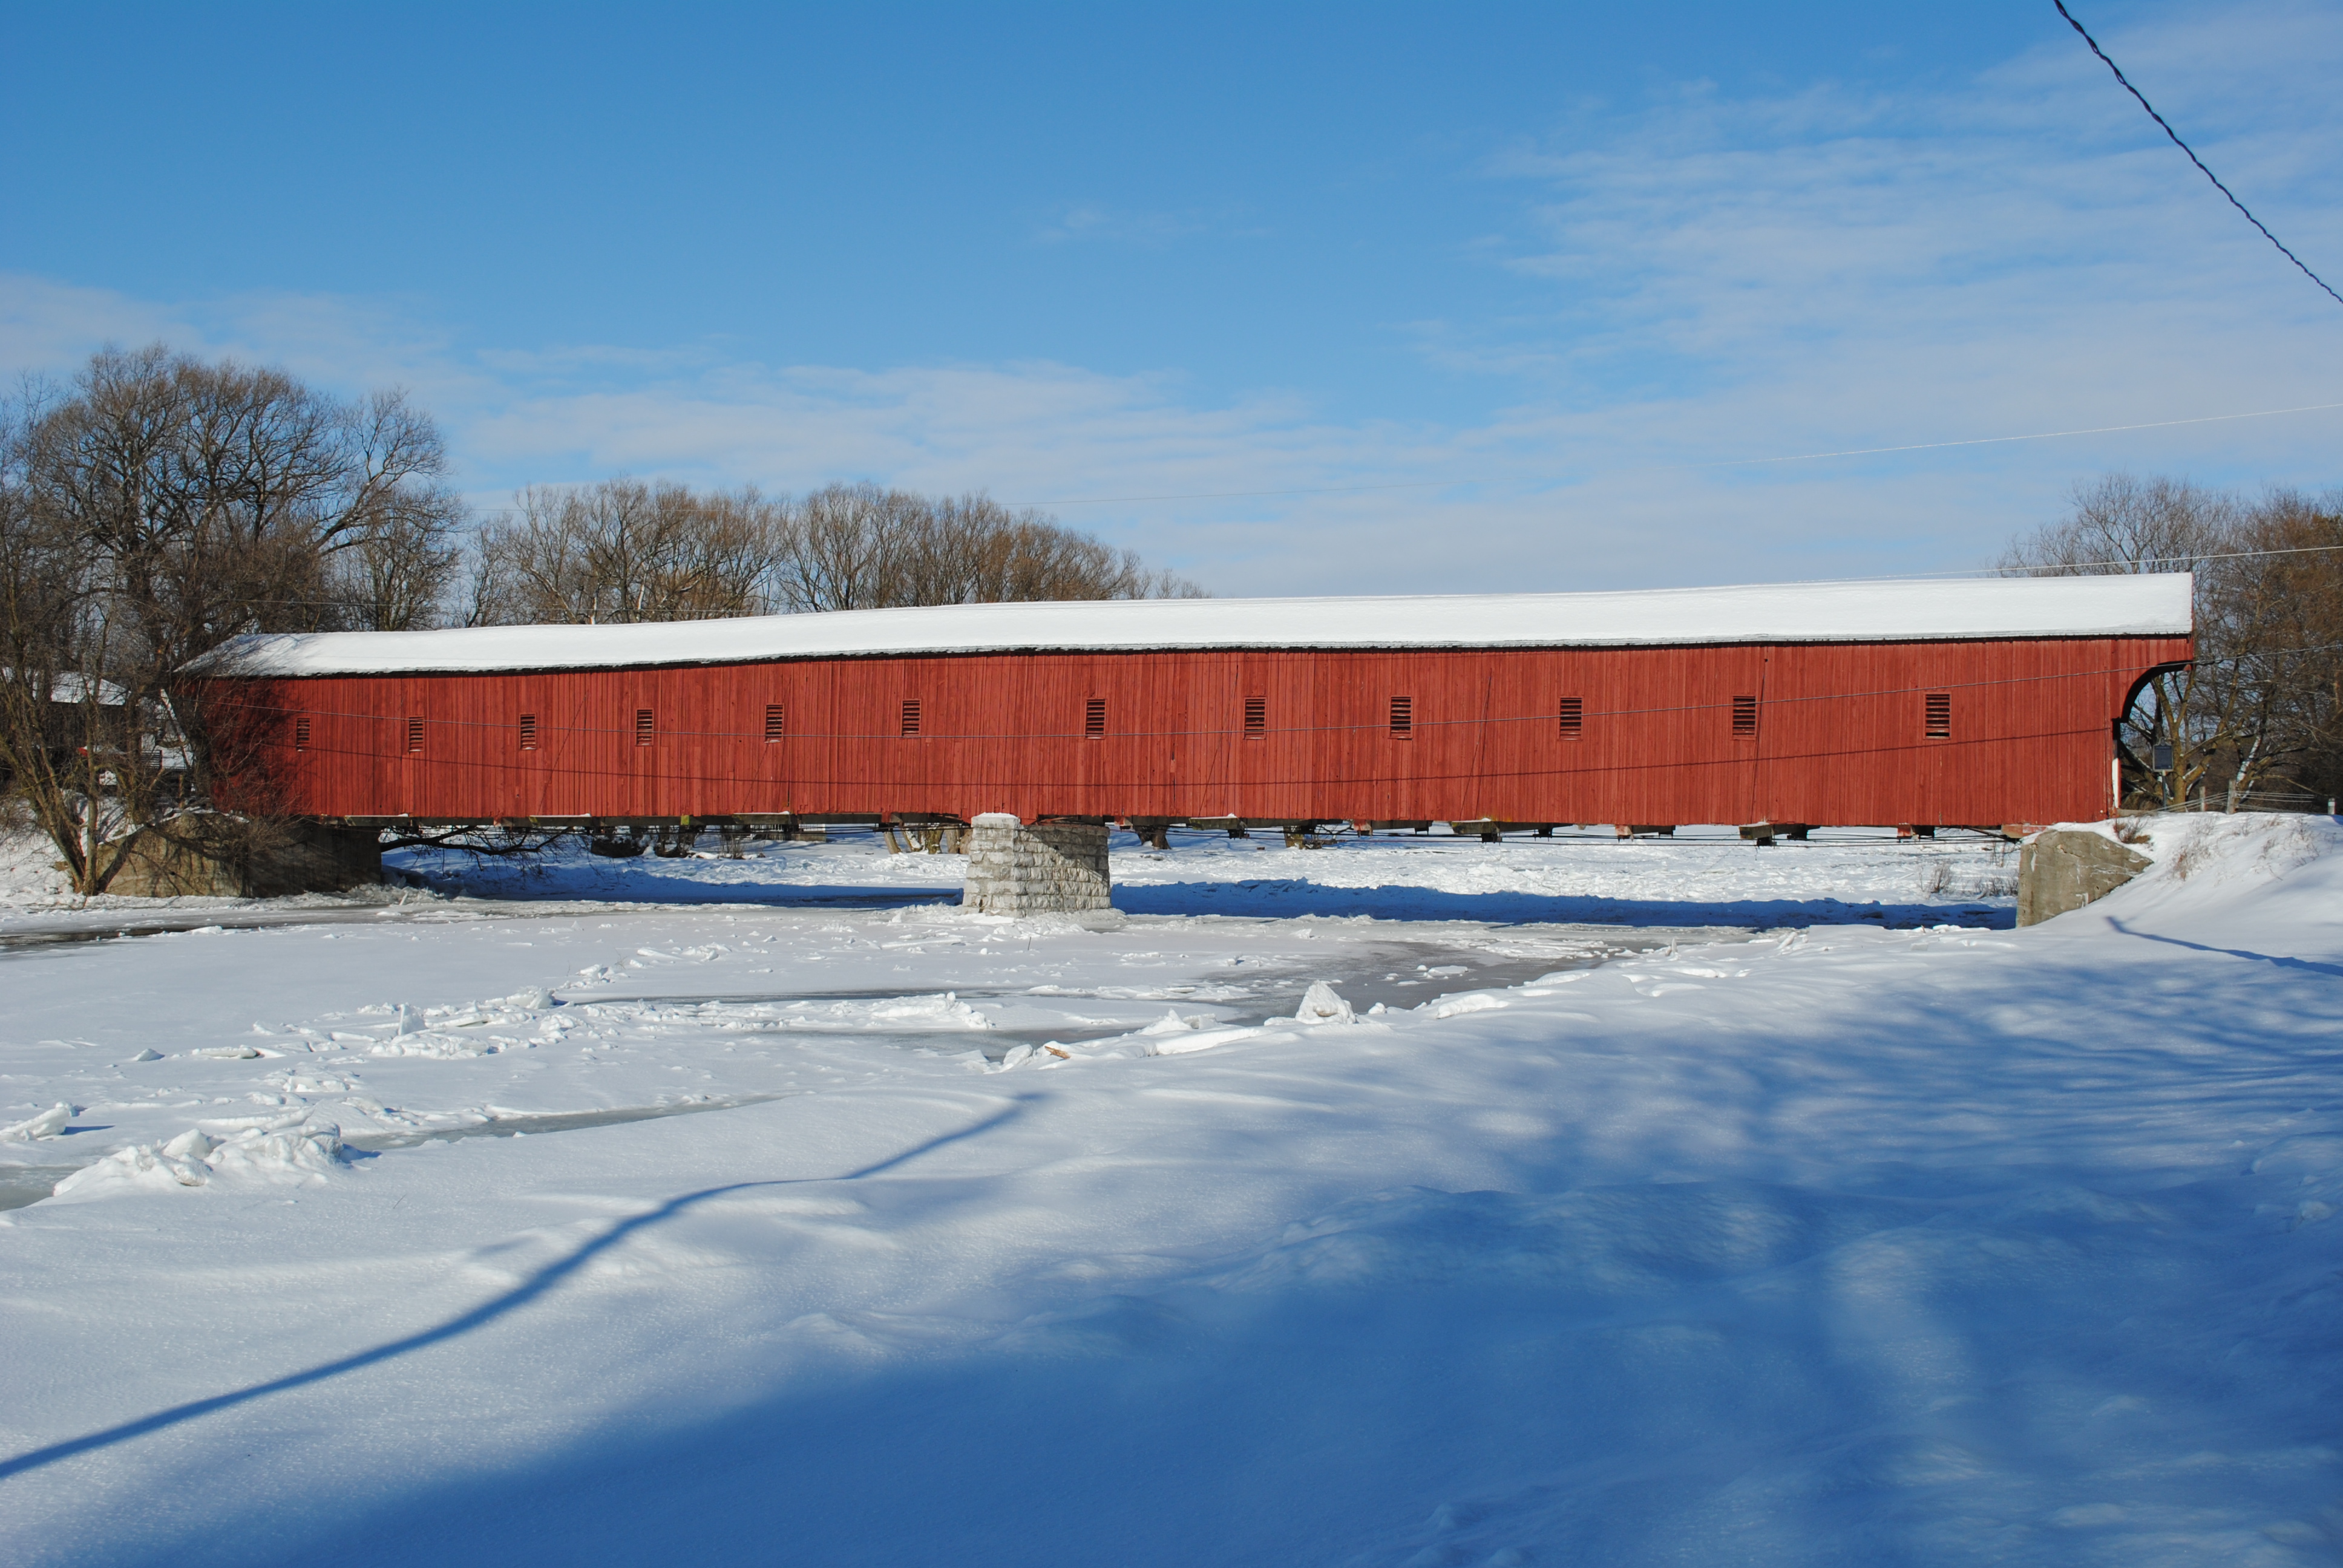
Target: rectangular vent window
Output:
[(1744, 717), (1938, 709), (1094, 718), (529, 733), (414, 735), (910, 716), (301, 733), (1256, 717), (1571, 716), (1402, 717), (645, 727), (777, 722)]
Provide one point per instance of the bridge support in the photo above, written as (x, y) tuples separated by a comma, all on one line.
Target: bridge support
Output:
[(2066, 867), (1050, 868)]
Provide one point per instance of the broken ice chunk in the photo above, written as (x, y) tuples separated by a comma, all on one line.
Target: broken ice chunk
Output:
[(47, 1124), (1321, 1004)]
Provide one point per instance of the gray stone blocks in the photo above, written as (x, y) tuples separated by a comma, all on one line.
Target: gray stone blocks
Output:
[(1050, 868)]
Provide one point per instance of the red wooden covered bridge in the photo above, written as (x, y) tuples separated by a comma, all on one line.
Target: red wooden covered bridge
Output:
[(1972, 703)]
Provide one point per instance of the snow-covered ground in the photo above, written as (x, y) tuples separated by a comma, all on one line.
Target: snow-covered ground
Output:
[(1658, 1202)]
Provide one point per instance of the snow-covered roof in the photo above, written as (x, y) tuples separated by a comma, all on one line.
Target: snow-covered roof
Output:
[(1890, 611), (74, 689)]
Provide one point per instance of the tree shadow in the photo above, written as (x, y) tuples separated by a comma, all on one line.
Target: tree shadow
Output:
[(2281, 960), (529, 1290), (1490, 1387), (2024, 1338)]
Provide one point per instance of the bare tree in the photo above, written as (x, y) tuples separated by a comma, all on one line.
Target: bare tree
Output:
[(625, 551), (2295, 575), (157, 507), (2249, 711), (861, 548), (398, 576), (856, 547)]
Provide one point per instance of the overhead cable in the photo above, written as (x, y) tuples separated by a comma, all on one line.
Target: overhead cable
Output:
[(2043, 569), (1712, 463), (2185, 147)]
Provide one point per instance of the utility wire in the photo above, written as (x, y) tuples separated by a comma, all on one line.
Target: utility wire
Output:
[(1999, 440), (2185, 147), (2058, 568), (1243, 495), (1711, 463), (2023, 569)]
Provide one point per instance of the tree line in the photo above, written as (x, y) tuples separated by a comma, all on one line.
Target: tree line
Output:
[(161, 504), (624, 550)]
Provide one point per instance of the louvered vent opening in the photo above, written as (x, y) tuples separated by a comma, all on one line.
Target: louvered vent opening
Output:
[(1402, 717), (777, 722), (1570, 717), (1938, 706), (1744, 717), (910, 716), (1256, 717), (1094, 718), (414, 735), (529, 733), (645, 727), (301, 733)]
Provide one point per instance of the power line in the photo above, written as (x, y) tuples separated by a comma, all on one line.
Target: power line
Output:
[(2061, 569), (1713, 463), (1243, 495), (2185, 147), (1996, 440), (2042, 568)]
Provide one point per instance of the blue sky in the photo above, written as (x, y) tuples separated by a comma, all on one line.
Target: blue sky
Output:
[(1554, 269)]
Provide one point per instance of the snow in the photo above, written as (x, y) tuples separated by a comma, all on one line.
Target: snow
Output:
[(2155, 605), (275, 1148), (1412, 1201), (47, 1124), (73, 688)]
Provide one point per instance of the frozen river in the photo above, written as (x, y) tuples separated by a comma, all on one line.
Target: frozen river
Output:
[(1662, 1201)]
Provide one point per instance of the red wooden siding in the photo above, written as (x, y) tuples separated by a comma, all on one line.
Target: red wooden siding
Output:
[(1841, 736)]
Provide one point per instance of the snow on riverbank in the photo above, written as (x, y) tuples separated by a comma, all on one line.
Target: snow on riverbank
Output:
[(1940, 1243)]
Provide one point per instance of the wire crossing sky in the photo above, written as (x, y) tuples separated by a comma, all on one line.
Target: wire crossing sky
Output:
[(1317, 299), (2185, 147), (1719, 463)]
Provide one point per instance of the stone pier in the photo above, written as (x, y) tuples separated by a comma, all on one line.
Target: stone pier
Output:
[(1050, 868)]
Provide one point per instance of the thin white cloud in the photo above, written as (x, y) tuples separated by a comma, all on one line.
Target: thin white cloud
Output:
[(1705, 279), (48, 328), (1091, 221)]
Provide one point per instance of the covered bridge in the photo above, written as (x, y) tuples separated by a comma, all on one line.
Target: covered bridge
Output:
[(1923, 703)]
